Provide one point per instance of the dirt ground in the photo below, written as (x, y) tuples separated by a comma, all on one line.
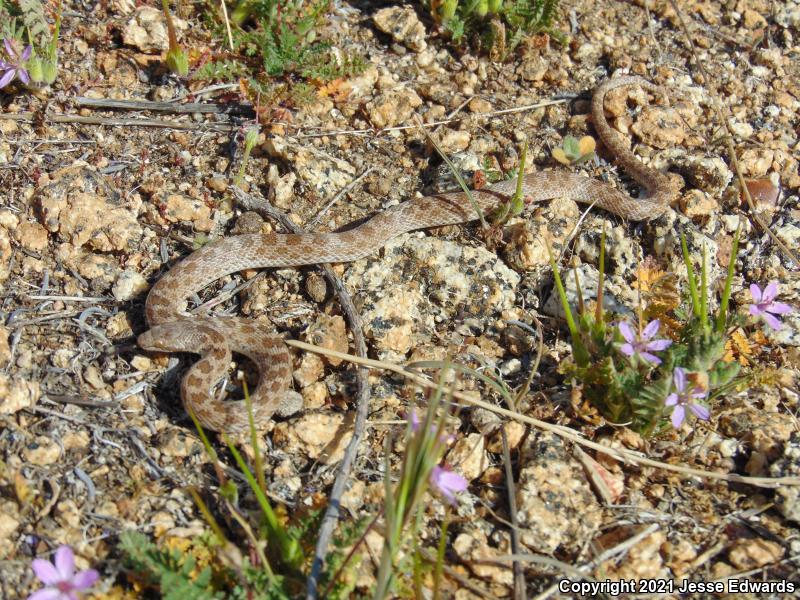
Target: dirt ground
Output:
[(98, 203)]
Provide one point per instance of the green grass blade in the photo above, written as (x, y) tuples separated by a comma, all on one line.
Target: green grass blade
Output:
[(722, 317), (690, 276)]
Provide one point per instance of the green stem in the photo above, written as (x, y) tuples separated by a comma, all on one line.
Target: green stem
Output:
[(722, 317), (704, 291), (690, 276)]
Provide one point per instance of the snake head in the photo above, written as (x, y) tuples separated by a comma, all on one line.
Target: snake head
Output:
[(157, 340)]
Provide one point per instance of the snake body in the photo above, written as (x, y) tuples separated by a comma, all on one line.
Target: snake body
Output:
[(173, 329)]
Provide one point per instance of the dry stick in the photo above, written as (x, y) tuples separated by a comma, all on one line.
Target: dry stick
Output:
[(166, 107), (729, 141), (338, 196), (582, 571), (564, 432), (30, 118), (332, 512)]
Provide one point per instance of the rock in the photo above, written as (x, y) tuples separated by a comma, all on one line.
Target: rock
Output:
[(438, 279), (618, 297), (468, 457), (5, 349), (178, 444), (473, 549), (177, 208), (390, 322), (330, 333), (708, 173), (787, 497), (42, 451), (129, 285), (556, 507), (479, 105), (310, 370), (695, 203), (284, 191), (320, 437), (147, 30), (642, 561), (326, 174), (747, 554), (403, 25), (31, 236), (527, 240), (217, 183), (76, 207), (392, 108), (17, 394), (5, 254), (9, 524), (515, 431), (660, 127), (454, 140)]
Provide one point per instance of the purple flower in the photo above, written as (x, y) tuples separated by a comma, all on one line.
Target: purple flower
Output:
[(13, 67), (447, 483), (765, 305), (643, 346), (61, 580), (682, 398)]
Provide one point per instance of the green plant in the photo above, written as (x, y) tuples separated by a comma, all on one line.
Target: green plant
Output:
[(272, 563), (274, 43), (403, 507), (24, 22), (177, 60), (629, 376), (490, 18), (574, 151)]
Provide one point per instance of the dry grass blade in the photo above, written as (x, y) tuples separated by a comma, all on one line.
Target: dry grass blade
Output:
[(624, 456)]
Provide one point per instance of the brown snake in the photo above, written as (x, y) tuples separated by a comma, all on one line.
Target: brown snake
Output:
[(173, 329)]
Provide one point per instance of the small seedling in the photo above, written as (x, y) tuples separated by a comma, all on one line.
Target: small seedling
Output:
[(574, 151)]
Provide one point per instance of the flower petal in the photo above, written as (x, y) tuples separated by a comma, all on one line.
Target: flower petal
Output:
[(7, 78), (679, 377), (700, 411), (772, 321), (9, 48), (627, 332), (671, 400), (627, 349), (651, 358), (651, 329), (677, 416), (23, 76), (26, 54), (770, 292), (779, 308), (755, 292), (45, 571), (46, 594), (658, 345), (755, 310), (85, 579), (65, 562)]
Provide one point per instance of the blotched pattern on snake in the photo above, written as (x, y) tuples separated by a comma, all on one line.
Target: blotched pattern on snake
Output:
[(214, 338)]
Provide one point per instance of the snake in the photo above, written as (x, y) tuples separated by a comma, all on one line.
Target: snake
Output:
[(215, 338)]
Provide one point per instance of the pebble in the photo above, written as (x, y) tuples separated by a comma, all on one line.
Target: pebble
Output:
[(129, 285), (146, 30), (17, 394), (468, 456), (402, 24), (320, 437)]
